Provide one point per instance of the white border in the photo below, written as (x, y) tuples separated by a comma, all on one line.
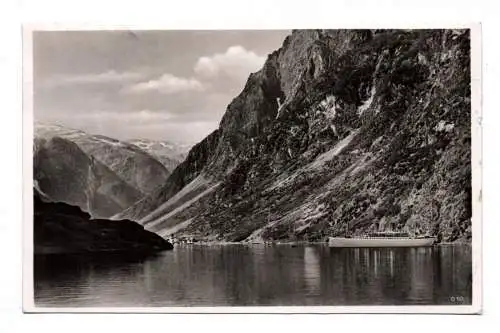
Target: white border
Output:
[(476, 133)]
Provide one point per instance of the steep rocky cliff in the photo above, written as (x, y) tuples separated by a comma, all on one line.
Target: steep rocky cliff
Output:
[(61, 228), (340, 131)]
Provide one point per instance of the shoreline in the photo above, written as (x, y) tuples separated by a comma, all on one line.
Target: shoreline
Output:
[(291, 243)]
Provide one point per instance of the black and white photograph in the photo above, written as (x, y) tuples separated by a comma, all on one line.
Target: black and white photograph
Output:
[(259, 170)]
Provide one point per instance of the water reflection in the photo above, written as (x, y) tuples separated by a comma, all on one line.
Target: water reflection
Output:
[(312, 271), (258, 275)]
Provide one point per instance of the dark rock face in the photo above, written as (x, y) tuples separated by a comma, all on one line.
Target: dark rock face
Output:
[(340, 131), (61, 228)]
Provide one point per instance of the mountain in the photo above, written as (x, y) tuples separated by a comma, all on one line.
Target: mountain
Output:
[(65, 173), (61, 228), (340, 131), (129, 162), (170, 154)]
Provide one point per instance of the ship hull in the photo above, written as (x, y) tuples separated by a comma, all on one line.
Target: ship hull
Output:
[(380, 242)]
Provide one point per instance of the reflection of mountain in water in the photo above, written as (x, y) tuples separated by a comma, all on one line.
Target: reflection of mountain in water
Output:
[(242, 275), (312, 270), (389, 276)]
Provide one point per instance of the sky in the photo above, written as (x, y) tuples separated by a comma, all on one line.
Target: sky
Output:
[(160, 85)]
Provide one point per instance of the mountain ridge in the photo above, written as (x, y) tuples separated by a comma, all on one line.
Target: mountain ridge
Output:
[(65, 173), (131, 163), (170, 154), (340, 131), (101, 175)]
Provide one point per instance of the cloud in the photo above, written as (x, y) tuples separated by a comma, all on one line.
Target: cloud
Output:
[(158, 124), (116, 117), (189, 132), (236, 62), (167, 84), (93, 78)]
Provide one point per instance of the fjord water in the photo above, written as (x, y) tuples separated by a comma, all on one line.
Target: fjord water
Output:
[(258, 275)]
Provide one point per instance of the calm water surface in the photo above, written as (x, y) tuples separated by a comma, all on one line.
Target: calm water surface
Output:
[(258, 275)]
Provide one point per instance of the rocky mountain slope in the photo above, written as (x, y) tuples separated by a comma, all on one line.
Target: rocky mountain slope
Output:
[(170, 154), (339, 132), (132, 164), (61, 228), (65, 173)]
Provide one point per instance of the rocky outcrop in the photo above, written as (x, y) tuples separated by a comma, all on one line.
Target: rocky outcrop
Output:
[(340, 131), (61, 228)]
